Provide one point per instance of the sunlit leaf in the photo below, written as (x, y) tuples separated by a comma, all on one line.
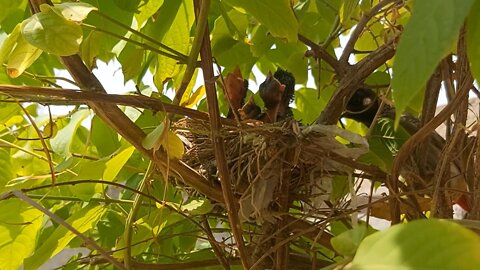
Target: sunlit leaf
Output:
[(173, 145), (82, 221), (52, 33), (21, 54), (428, 37), (153, 138), (276, 15), (50, 130), (115, 164), (347, 9), (9, 43), (422, 244), (72, 11), (6, 172), (147, 10), (8, 6), (63, 141), (197, 207), (18, 232), (195, 97), (104, 137), (347, 242), (175, 37)]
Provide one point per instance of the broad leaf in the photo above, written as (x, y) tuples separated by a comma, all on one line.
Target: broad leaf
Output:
[(153, 138), (422, 244), (115, 164), (347, 242), (19, 53), (276, 15), (76, 12), (52, 33), (104, 137), (173, 145), (19, 226), (63, 141), (82, 221), (428, 37)]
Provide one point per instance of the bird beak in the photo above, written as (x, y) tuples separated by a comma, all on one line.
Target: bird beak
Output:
[(269, 76)]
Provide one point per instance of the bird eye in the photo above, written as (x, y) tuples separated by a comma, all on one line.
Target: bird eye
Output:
[(367, 101)]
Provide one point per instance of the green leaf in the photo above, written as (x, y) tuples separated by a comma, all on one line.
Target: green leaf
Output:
[(308, 105), (19, 52), (115, 164), (197, 207), (131, 59), (428, 37), (347, 242), (88, 170), (152, 138), (347, 9), (63, 141), (92, 47), (9, 43), (147, 10), (73, 11), (104, 137), (82, 220), (19, 226), (422, 244), (8, 6), (276, 15), (177, 37), (52, 33), (473, 40), (6, 173)]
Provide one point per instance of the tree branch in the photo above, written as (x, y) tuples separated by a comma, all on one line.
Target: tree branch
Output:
[(114, 117)]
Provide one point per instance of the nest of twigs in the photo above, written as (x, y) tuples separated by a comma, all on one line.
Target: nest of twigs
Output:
[(267, 160)]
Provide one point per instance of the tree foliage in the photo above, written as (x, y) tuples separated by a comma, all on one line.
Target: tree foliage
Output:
[(161, 178)]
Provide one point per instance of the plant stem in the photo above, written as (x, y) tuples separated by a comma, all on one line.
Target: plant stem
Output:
[(137, 203)]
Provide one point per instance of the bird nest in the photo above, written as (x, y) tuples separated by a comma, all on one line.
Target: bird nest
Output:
[(263, 157)]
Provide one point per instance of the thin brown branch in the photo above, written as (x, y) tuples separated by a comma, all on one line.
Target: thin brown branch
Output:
[(218, 143), (352, 80), (115, 118), (350, 46), (423, 133), (323, 54), (59, 96), (89, 242), (216, 248)]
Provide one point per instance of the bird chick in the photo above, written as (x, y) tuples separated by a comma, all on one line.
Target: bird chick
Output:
[(235, 91), (286, 78), (362, 106), (271, 92), (250, 110)]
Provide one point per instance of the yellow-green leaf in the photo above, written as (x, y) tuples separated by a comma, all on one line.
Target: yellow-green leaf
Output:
[(421, 244), (62, 142), (428, 37), (19, 52), (194, 98), (115, 164), (9, 43), (72, 11), (52, 33), (82, 221), (19, 226), (276, 15), (152, 138), (173, 145)]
